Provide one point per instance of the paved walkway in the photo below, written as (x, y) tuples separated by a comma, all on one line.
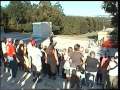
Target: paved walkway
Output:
[(24, 81)]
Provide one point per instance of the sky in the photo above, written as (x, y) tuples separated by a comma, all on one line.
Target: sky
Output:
[(76, 8)]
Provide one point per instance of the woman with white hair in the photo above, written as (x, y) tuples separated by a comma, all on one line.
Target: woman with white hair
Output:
[(113, 72)]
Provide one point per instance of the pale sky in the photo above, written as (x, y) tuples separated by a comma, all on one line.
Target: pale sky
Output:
[(76, 8)]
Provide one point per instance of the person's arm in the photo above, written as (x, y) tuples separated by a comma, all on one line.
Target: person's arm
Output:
[(4, 48), (97, 63), (56, 57), (112, 68), (109, 68), (40, 53), (45, 57), (81, 59), (84, 59)]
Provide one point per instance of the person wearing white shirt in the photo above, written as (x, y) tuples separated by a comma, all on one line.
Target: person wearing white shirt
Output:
[(36, 55), (113, 72), (4, 48), (29, 49)]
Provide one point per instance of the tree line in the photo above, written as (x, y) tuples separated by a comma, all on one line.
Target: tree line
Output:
[(19, 16)]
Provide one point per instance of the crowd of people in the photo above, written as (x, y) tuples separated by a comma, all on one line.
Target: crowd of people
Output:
[(41, 61)]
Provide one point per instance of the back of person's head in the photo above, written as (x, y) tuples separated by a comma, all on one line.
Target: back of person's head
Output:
[(21, 42), (86, 50), (30, 40), (21, 47), (16, 41), (76, 47), (92, 54), (70, 49), (73, 72), (64, 50), (9, 40), (34, 43)]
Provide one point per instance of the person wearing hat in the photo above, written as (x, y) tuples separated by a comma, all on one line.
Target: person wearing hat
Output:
[(113, 72), (36, 55)]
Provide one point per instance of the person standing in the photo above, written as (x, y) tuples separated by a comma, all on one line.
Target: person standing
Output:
[(113, 72), (70, 51), (11, 56), (59, 61), (77, 57), (20, 55), (103, 69), (43, 59), (36, 55), (52, 59), (29, 49), (67, 68), (26, 60), (3, 56), (91, 68)]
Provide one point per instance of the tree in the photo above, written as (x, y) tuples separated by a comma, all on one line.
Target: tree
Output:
[(58, 7), (3, 17), (84, 27), (28, 11), (15, 12), (15, 9), (90, 24), (112, 7)]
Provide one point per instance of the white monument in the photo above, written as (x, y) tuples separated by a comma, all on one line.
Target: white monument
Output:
[(42, 29)]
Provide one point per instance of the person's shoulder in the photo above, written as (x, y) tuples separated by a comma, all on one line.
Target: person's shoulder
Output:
[(88, 57), (96, 60), (37, 48)]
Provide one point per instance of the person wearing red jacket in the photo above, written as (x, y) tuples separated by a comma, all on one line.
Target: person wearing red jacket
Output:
[(10, 52)]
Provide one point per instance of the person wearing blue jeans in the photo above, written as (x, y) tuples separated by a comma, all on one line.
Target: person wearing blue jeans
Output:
[(13, 66)]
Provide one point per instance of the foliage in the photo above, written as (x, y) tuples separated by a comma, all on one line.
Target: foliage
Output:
[(19, 16), (112, 7)]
